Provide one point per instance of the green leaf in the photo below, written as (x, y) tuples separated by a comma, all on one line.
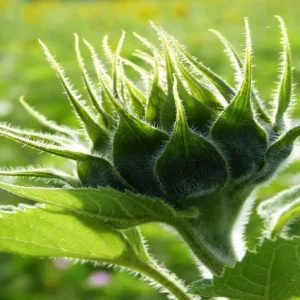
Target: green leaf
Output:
[(52, 232), (273, 272), (189, 165), (122, 210), (237, 123), (285, 88)]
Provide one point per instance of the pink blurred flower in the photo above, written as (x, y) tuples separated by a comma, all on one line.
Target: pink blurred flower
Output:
[(98, 279), (61, 264)]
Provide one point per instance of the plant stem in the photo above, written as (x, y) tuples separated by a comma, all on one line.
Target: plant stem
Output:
[(199, 249), (168, 281), (142, 262)]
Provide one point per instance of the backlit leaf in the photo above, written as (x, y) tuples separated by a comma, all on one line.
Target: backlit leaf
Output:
[(273, 272), (123, 210), (52, 232)]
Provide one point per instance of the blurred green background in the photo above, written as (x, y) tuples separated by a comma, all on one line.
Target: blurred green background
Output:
[(24, 71)]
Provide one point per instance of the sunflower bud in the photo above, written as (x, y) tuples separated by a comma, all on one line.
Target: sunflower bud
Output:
[(186, 136)]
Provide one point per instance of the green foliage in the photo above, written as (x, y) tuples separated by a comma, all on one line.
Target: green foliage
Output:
[(179, 146), (273, 272), (120, 210), (52, 232)]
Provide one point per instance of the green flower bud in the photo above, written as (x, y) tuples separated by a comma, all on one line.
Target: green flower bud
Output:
[(187, 136)]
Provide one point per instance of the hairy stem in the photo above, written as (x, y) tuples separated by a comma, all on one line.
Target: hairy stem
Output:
[(142, 262), (199, 249), (210, 235), (166, 280)]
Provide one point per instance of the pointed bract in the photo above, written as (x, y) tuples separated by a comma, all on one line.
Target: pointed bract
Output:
[(156, 99), (286, 218), (98, 135), (285, 88), (105, 80), (168, 114), (135, 148), (144, 56), (89, 86), (149, 45), (221, 85), (107, 49), (239, 136), (117, 69), (277, 153), (46, 173), (190, 165), (54, 139), (141, 71), (49, 124), (97, 171), (138, 93), (137, 103), (40, 144), (232, 54), (199, 116), (238, 67), (199, 90)]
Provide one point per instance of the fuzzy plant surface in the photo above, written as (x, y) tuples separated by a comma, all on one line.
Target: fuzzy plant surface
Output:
[(179, 146)]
